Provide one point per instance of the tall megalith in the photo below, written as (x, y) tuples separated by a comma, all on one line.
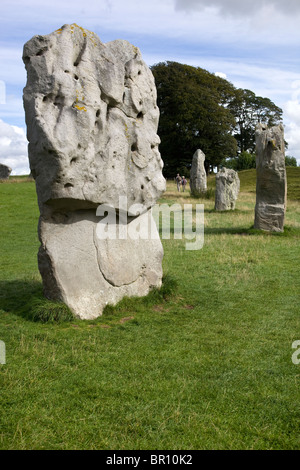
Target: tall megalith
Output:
[(92, 120), (227, 189), (198, 180), (271, 184)]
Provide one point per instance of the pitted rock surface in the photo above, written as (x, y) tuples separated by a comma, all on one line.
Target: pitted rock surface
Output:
[(227, 189), (198, 179), (271, 183), (92, 120)]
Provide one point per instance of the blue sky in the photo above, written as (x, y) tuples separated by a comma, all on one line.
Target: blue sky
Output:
[(254, 44)]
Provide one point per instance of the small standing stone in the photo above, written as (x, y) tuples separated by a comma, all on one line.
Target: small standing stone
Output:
[(198, 174), (5, 171), (271, 185), (227, 189)]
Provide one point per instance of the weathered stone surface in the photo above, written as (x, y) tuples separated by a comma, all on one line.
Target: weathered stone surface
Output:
[(87, 272), (227, 189), (271, 184), (5, 171), (91, 116), (92, 120), (198, 181)]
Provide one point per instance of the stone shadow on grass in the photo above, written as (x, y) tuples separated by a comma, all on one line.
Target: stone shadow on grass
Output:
[(16, 294), (226, 230), (25, 298), (289, 232)]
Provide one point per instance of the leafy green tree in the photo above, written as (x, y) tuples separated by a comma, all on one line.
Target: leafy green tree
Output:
[(193, 114), (244, 161), (249, 110), (290, 161)]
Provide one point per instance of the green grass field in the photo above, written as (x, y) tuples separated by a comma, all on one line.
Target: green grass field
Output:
[(205, 363)]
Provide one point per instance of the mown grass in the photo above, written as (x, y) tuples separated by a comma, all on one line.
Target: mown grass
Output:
[(248, 181), (204, 363)]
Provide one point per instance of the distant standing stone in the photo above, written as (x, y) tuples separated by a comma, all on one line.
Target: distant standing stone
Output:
[(5, 171), (227, 189), (198, 174), (271, 184)]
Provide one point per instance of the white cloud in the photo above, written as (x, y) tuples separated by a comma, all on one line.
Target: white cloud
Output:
[(292, 106), (292, 136), (13, 109), (13, 148), (13, 73), (292, 128), (156, 18), (256, 22), (254, 43), (221, 75), (238, 7)]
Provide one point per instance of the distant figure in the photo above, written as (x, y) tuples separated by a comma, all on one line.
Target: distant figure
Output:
[(178, 181), (183, 183)]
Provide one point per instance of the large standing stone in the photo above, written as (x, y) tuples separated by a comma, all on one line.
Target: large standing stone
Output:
[(271, 185), (5, 171), (198, 174), (227, 189), (91, 120)]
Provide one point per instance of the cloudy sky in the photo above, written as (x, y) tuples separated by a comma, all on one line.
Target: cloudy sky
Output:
[(253, 43)]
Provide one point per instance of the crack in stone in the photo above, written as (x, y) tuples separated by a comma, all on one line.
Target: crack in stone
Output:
[(98, 255)]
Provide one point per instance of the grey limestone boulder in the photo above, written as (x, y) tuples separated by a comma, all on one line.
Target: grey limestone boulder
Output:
[(92, 120), (271, 184), (227, 189), (5, 171), (198, 181)]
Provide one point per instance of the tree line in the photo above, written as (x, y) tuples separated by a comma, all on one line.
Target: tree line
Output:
[(201, 110)]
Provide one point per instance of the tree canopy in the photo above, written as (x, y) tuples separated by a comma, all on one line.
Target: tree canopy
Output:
[(290, 161), (243, 161), (200, 110), (248, 110), (192, 115)]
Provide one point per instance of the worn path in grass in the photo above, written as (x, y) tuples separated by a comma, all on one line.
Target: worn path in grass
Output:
[(203, 364)]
